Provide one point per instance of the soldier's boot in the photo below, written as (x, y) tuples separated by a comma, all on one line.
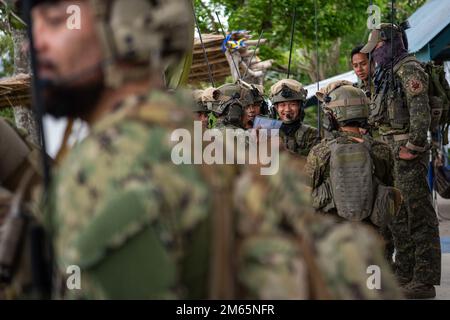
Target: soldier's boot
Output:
[(418, 290)]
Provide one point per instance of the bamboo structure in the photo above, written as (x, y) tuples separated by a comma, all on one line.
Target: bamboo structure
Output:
[(221, 63), (15, 91)]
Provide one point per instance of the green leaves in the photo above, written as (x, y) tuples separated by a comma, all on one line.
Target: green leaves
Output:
[(341, 22)]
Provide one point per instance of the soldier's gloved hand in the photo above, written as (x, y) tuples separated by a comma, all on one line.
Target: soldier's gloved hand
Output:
[(405, 154)]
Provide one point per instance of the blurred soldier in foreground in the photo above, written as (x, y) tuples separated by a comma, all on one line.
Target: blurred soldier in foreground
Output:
[(120, 210), (401, 113), (20, 232), (288, 97)]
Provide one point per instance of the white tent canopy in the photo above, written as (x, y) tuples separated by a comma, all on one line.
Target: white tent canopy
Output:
[(349, 76)]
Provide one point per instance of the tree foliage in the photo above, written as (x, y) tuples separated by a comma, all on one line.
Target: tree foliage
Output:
[(6, 44), (8, 22), (341, 25)]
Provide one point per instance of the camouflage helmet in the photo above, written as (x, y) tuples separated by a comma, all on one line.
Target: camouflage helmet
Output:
[(385, 32), (259, 97), (232, 93), (287, 90), (147, 34), (215, 100), (345, 102), (199, 106), (252, 95), (232, 90), (247, 94)]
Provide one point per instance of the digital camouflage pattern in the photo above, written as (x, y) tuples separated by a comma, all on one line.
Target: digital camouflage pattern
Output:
[(299, 138), (121, 207), (393, 113), (415, 230), (368, 90)]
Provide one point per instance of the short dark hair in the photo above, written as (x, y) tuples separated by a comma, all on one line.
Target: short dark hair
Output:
[(357, 50)]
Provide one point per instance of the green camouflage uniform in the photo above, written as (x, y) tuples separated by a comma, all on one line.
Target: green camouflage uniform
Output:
[(368, 90), (299, 138), (122, 209), (417, 242)]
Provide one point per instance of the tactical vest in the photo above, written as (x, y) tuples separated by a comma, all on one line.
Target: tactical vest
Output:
[(438, 94), (351, 171), (389, 107), (356, 191)]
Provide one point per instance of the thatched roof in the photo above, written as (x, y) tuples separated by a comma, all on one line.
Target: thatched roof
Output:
[(216, 58), (15, 91)]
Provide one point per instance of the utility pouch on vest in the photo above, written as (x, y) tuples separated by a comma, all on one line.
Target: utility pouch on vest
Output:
[(397, 111), (436, 109), (376, 111), (386, 205)]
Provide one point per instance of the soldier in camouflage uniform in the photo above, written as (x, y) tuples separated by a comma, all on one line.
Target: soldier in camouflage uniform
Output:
[(401, 113), (118, 203), (348, 109), (231, 108), (252, 100), (227, 104), (139, 226), (288, 97), (363, 70), (226, 108)]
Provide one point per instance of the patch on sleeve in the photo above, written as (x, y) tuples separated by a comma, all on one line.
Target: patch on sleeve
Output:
[(414, 86)]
